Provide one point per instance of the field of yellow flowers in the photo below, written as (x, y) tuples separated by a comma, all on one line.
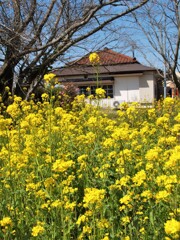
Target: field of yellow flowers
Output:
[(80, 174)]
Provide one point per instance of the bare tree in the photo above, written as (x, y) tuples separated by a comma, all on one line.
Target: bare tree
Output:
[(34, 33), (159, 22)]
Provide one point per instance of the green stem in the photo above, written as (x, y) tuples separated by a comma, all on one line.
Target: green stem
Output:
[(97, 76)]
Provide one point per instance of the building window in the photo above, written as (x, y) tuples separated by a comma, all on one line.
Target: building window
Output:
[(82, 90), (107, 88)]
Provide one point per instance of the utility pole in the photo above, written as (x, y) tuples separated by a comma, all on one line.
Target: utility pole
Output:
[(164, 36), (165, 87)]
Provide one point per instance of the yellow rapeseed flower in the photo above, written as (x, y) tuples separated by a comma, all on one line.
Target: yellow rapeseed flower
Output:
[(103, 223), (57, 203), (45, 96), (162, 195), (94, 58), (61, 165), (6, 221), (106, 237), (168, 102), (17, 99), (146, 194), (139, 178), (153, 154), (100, 93), (13, 110), (125, 200), (87, 229), (125, 220), (126, 238), (162, 121), (172, 226), (81, 219), (93, 196), (48, 77), (177, 118), (37, 230), (49, 182), (7, 89)]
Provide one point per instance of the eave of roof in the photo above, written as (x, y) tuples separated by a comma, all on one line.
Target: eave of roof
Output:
[(89, 79), (109, 69)]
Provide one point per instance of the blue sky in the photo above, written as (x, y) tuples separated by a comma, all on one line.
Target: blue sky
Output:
[(123, 36)]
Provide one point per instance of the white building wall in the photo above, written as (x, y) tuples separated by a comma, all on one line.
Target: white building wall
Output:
[(146, 87), (136, 88), (126, 89)]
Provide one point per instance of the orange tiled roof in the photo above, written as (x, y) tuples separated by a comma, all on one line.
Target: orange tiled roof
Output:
[(107, 57)]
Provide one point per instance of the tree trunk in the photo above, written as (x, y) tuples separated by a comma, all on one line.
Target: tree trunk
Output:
[(6, 81)]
